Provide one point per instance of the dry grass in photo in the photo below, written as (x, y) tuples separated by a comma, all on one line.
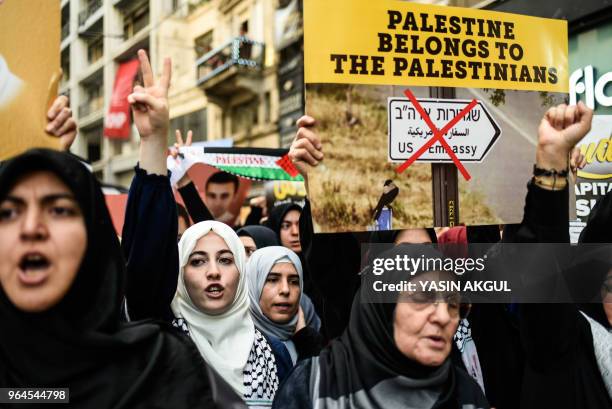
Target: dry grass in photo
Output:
[(345, 188)]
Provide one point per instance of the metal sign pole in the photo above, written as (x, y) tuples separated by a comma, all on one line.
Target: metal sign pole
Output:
[(445, 181)]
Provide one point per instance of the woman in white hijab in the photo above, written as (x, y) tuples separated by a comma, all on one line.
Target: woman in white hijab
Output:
[(212, 305), (275, 281)]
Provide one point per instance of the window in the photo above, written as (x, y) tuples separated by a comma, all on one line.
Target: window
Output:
[(135, 21), (196, 121), (244, 28), (267, 107), (65, 66), (203, 44), (93, 101), (94, 139), (95, 49), (244, 117)]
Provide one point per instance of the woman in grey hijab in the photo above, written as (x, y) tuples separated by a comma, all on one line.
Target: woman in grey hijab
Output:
[(275, 281)]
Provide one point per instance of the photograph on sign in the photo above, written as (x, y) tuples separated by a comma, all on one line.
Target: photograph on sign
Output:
[(29, 72), (428, 115)]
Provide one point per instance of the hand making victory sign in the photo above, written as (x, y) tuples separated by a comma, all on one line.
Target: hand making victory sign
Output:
[(151, 117)]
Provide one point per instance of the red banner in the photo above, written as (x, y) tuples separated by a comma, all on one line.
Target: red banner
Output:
[(117, 121)]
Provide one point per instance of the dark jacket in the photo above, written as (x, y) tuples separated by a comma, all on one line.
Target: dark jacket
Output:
[(150, 249), (561, 370), (333, 262)]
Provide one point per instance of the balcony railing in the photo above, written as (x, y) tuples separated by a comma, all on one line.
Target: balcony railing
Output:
[(239, 51), (92, 7), (65, 31)]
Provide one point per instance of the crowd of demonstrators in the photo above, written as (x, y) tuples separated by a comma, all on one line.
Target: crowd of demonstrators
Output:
[(224, 317), (496, 338)]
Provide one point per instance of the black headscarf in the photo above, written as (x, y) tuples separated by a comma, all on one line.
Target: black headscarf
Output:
[(277, 215), (261, 235), (80, 343), (366, 354)]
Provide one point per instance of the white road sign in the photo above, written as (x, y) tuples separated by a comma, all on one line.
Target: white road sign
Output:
[(470, 139)]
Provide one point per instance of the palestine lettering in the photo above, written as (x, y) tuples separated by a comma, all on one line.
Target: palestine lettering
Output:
[(441, 46)]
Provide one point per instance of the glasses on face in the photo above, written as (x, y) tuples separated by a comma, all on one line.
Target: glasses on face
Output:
[(429, 300), (607, 286)]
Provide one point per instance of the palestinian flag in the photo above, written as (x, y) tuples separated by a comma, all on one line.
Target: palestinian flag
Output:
[(252, 163)]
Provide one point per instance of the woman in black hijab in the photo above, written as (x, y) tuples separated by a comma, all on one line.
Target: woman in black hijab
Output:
[(260, 237), (392, 355), (284, 220), (62, 283)]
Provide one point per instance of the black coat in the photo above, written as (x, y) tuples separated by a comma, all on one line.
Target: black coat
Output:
[(561, 370)]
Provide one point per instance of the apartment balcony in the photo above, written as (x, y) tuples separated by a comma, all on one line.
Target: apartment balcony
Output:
[(91, 112), (88, 17), (235, 67)]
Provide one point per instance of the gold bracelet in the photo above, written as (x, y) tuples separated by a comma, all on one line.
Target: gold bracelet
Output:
[(550, 182)]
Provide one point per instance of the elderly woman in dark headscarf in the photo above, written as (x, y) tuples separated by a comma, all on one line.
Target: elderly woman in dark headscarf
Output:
[(392, 355), (61, 290)]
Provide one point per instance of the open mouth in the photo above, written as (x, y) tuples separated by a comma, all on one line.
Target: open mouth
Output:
[(214, 291), (283, 306), (34, 268), (437, 341)]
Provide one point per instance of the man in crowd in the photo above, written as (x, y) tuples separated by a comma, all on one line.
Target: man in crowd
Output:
[(221, 188)]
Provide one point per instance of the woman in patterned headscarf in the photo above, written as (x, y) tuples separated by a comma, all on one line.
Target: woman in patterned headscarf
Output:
[(212, 305)]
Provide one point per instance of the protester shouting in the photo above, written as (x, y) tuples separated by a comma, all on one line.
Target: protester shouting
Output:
[(198, 286), (212, 306), (62, 278)]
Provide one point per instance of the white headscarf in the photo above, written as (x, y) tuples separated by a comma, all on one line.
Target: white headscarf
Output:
[(224, 340), (258, 267)]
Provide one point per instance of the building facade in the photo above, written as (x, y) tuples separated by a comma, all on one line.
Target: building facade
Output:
[(237, 70)]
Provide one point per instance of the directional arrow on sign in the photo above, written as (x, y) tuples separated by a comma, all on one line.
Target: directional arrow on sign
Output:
[(470, 139)]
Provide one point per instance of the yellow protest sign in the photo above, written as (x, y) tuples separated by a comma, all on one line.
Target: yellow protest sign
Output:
[(390, 42), (29, 68)]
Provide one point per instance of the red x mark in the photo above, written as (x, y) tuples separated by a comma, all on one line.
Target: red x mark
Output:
[(438, 135)]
